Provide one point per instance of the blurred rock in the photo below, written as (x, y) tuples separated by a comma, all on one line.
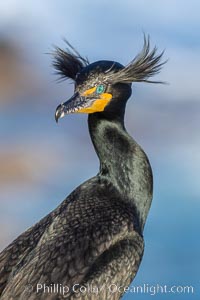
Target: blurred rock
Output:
[(27, 166), (13, 168), (18, 78)]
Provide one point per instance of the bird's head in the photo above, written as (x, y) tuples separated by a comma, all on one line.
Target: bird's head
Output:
[(103, 85)]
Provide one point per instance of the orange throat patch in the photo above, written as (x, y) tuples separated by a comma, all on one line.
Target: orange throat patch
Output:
[(98, 105)]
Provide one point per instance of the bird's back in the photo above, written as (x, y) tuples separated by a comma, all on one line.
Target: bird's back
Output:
[(91, 239)]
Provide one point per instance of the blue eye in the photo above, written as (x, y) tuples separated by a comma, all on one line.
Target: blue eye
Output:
[(100, 89)]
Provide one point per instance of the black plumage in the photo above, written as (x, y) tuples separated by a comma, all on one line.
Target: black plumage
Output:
[(68, 62), (95, 237)]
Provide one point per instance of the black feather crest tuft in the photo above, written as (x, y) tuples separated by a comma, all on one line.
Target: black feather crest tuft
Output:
[(143, 66), (68, 62)]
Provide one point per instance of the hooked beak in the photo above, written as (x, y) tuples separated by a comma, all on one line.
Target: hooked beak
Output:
[(75, 103), (82, 104)]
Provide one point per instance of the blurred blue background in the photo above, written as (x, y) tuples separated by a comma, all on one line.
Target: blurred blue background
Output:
[(41, 162)]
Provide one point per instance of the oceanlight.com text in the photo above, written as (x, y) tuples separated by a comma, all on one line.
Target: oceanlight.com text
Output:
[(64, 290)]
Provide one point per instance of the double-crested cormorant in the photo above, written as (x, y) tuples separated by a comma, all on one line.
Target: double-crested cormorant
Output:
[(91, 245)]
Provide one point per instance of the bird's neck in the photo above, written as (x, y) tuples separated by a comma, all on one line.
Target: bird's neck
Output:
[(122, 161)]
